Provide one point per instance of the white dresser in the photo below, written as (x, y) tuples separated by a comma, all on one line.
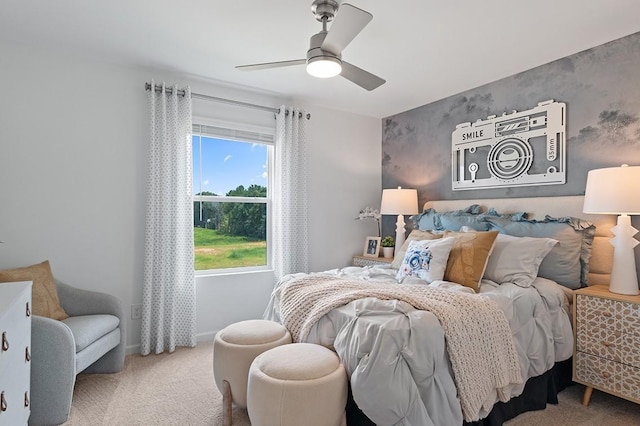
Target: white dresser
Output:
[(15, 352)]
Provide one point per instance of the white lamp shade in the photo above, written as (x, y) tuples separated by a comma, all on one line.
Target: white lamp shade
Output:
[(613, 190), (399, 201)]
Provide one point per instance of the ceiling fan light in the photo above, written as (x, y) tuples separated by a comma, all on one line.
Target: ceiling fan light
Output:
[(324, 66)]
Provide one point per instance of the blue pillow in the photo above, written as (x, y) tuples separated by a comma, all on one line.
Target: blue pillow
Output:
[(452, 220)]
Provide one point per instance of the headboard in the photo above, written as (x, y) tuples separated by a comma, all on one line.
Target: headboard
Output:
[(602, 252)]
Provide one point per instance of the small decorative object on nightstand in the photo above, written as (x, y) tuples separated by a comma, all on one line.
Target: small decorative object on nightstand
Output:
[(370, 261), (388, 245), (607, 336)]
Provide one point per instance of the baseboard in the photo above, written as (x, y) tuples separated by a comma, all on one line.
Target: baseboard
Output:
[(200, 338)]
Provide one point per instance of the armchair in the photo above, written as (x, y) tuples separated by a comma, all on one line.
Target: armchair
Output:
[(91, 340)]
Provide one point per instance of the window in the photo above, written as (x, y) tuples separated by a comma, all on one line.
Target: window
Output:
[(232, 171)]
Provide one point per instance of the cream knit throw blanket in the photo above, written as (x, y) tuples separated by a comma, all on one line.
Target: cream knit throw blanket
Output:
[(478, 338)]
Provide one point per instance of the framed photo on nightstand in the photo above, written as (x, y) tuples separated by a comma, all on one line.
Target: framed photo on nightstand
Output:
[(372, 247)]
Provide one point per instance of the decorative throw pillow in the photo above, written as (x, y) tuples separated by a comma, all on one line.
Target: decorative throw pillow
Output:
[(468, 257), (425, 259), (568, 262), (44, 294), (416, 234), (517, 259)]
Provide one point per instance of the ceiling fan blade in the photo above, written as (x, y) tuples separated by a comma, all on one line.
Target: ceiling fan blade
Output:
[(362, 78), (349, 21), (267, 65)]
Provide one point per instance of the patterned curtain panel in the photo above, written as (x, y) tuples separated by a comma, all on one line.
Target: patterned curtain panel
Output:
[(290, 235), (168, 304)]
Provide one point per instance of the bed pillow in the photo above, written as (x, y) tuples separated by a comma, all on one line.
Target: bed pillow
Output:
[(517, 259), (425, 259), (451, 220), (416, 234), (568, 262), (44, 293), (468, 257)]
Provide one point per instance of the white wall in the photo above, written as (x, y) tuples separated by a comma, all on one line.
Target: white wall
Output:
[(73, 135)]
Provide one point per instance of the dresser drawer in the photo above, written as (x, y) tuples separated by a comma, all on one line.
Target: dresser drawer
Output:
[(15, 352)]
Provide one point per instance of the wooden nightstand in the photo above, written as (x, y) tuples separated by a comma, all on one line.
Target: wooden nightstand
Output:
[(370, 261), (607, 342)]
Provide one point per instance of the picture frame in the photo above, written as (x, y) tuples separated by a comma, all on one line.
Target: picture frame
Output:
[(371, 247)]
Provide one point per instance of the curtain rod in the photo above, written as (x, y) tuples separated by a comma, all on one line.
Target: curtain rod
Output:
[(158, 88)]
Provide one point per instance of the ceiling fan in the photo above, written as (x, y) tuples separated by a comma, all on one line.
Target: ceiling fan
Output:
[(324, 57)]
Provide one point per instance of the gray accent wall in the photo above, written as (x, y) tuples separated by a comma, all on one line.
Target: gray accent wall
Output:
[(601, 87)]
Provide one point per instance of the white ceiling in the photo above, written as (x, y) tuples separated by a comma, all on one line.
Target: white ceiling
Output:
[(425, 49)]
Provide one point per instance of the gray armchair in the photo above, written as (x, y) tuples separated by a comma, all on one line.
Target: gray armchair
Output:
[(91, 340)]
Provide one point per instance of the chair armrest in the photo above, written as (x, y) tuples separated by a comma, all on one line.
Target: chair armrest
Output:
[(53, 370), (76, 302)]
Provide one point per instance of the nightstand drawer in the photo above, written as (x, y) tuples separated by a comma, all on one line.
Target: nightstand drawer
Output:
[(599, 341), (595, 312), (599, 372)]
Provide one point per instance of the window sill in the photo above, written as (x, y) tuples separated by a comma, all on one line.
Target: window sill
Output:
[(233, 271)]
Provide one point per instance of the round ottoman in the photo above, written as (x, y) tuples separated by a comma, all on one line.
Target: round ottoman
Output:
[(234, 348), (297, 384)]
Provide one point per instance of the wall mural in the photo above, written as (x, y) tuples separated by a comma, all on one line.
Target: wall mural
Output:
[(521, 148), (600, 88)]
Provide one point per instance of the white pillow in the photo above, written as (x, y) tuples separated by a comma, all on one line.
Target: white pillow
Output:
[(517, 259), (426, 259)]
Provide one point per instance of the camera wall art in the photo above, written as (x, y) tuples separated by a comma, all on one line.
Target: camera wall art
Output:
[(596, 92)]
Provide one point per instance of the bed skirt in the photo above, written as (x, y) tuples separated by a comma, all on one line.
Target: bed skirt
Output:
[(538, 392)]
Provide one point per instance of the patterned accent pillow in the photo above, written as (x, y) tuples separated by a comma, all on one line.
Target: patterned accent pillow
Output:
[(44, 293), (426, 259), (416, 234), (468, 257)]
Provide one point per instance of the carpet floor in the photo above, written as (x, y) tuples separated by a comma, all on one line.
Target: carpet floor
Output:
[(178, 389)]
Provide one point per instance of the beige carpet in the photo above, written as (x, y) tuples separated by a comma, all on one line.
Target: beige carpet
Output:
[(178, 389)]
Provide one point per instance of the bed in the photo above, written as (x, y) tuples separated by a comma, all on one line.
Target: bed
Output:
[(471, 322)]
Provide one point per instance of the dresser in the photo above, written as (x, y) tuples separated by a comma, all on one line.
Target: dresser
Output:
[(15, 352), (371, 261), (607, 335)]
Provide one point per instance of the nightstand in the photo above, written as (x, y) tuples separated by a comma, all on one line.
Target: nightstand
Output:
[(607, 342), (371, 261)]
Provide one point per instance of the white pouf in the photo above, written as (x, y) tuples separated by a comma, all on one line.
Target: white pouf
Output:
[(297, 384), (234, 348)]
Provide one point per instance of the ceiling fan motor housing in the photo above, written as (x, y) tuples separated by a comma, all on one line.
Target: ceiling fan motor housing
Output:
[(316, 51), (324, 9)]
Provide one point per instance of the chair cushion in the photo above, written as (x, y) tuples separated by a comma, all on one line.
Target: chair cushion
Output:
[(87, 329)]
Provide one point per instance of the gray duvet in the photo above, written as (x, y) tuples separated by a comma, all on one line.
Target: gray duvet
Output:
[(396, 355)]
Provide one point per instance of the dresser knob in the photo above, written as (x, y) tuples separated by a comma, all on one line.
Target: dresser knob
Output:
[(608, 344), (3, 402), (27, 355), (605, 374), (605, 313), (5, 342), (28, 310), (26, 399)]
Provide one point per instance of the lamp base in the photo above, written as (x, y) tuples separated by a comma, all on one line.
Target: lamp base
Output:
[(400, 231), (624, 279)]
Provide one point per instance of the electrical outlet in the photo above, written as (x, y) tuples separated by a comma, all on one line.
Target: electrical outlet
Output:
[(136, 311)]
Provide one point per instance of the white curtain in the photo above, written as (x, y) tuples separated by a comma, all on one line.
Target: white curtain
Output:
[(290, 235), (168, 303)]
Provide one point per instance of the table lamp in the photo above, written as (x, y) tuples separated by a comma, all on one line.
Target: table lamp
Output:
[(399, 201), (616, 190)]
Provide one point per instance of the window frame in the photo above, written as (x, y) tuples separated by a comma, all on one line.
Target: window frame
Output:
[(268, 200)]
